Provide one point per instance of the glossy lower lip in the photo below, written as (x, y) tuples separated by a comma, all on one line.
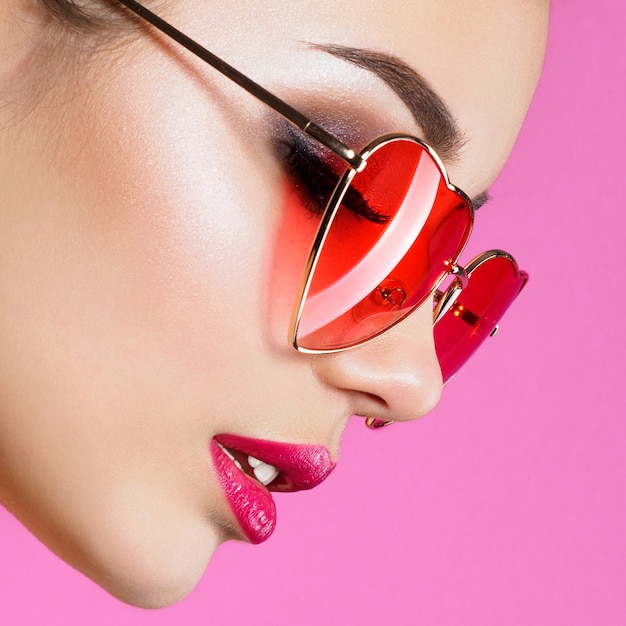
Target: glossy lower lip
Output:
[(301, 467)]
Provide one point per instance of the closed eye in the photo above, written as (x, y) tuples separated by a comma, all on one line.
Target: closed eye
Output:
[(314, 178)]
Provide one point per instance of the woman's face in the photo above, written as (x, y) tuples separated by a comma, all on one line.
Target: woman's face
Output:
[(147, 271)]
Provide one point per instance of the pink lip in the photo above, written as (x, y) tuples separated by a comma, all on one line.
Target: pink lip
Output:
[(301, 467)]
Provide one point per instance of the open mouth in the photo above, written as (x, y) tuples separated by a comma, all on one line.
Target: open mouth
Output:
[(248, 469), (253, 467)]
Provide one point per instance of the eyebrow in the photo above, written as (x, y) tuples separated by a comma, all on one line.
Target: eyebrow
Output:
[(427, 108)]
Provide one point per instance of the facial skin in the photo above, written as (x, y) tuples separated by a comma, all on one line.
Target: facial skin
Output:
[(140, 197)]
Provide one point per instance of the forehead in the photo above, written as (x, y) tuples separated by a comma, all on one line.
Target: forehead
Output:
[(483, 58)]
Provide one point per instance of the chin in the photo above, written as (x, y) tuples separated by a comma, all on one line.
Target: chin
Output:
[(146, 570), (160, 590), (154, 587)]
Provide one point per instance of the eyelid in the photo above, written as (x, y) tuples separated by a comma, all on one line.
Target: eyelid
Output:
[(320, 175), (353, 125), (311, 168), (293, 139)]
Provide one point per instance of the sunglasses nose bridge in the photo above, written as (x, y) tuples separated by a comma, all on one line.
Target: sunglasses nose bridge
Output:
[(445, 299)]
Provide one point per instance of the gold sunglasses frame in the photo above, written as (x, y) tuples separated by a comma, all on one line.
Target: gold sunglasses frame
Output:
[(444, 300), (356, 162), (329, 214)]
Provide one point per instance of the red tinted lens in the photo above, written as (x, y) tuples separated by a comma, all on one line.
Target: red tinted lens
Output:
[(492, 287), (389, 243)]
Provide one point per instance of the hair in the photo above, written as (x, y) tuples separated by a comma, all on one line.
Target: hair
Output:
[(69, 35), (83, 15)]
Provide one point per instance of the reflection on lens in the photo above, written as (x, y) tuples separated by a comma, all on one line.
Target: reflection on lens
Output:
[(397, 223)]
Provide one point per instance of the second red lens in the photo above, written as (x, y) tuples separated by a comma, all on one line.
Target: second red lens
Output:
[(494, 283)]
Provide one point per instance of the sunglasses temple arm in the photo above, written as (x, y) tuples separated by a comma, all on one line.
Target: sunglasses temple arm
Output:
[(282, 108)]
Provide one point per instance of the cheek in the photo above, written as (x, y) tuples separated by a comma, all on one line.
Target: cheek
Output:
[(294, 234), (130, 297), (105, 363)]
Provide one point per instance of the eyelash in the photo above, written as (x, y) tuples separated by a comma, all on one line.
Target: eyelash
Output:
[(315, 178)]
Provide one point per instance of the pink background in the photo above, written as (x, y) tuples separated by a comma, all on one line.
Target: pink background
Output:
[(507, 504)]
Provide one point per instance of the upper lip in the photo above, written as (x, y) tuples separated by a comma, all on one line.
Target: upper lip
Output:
[(301, 466)]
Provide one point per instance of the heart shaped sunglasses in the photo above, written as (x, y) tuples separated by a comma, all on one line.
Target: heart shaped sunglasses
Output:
[(392, 231)]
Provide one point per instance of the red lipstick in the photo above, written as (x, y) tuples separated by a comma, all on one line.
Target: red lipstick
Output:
[(287, 467)]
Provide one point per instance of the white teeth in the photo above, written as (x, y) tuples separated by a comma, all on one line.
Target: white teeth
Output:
[(231, 457), (254, 462), (264, 472)]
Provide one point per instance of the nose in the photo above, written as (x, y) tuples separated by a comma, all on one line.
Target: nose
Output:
[(395, 377)]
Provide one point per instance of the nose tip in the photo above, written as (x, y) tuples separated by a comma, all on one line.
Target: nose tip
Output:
[(396, 377)]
